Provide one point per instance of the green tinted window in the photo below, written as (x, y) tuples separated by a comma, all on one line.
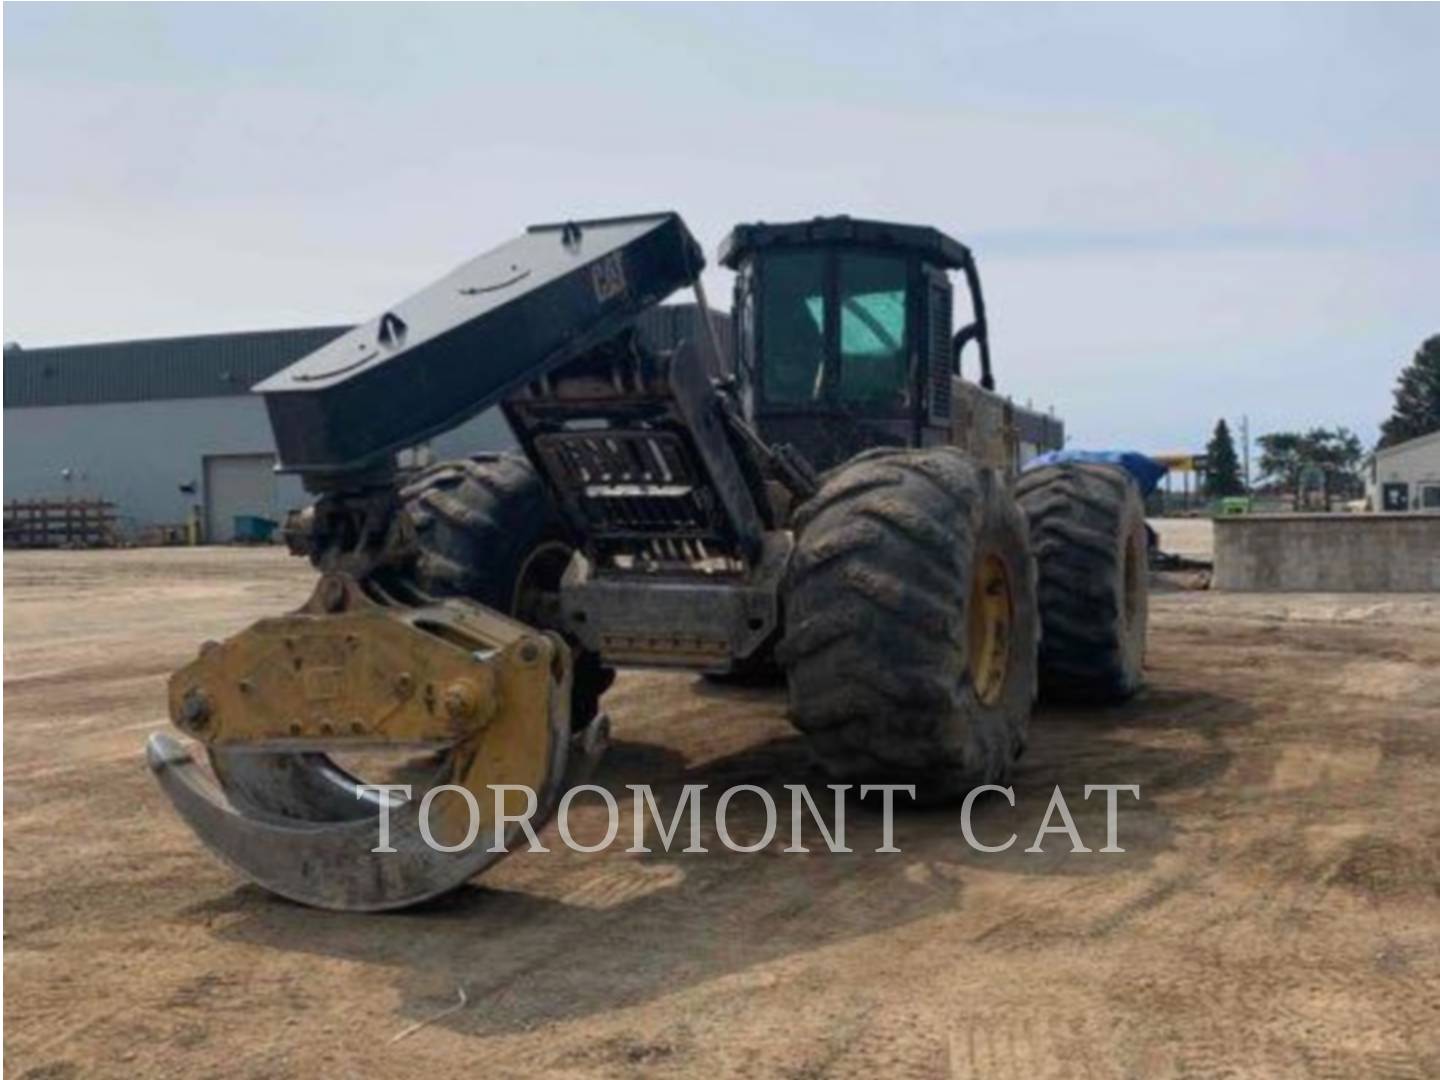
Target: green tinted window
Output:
[(873, 366), (792, 314)]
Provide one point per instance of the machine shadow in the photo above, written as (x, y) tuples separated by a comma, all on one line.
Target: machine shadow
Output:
[(553, 937)]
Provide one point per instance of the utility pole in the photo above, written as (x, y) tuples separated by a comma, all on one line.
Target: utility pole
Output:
[(1245, 448)]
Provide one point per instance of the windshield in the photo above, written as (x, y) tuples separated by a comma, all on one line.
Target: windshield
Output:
[(792, 314), (870, 359), (872, 329)]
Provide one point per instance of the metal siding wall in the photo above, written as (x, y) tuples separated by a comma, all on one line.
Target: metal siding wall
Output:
[(1410, 463), (135, 454), (121, 371)]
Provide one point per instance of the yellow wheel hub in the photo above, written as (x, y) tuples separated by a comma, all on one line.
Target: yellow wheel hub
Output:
[(990, 617)]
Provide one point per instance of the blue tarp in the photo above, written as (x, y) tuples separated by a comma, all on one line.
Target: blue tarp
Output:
[(1146, 471)]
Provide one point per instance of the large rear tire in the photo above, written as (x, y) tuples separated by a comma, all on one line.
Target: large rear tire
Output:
[(488, 531), (1087, 529), (911, 623)]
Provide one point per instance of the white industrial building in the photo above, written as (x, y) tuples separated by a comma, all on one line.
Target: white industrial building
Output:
[(165, 429), (1406, 476)]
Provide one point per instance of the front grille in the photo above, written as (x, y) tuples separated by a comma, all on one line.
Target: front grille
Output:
[(631, 485)]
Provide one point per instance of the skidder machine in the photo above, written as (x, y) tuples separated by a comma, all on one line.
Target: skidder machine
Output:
[(840, 507)]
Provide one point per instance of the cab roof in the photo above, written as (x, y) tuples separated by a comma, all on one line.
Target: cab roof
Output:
[(931, 244)]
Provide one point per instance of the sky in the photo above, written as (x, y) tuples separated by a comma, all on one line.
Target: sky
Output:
[(1180, 213)]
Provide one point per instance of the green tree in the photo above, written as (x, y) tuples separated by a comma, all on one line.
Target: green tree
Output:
[(1417, 397), (1222, 467), (1283, 454)]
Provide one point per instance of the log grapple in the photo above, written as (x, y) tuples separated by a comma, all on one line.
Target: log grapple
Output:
[(372, 666), (484, 698)]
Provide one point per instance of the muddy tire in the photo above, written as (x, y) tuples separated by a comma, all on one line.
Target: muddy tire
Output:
[(1087, 530), (911, 623), (488, 531)]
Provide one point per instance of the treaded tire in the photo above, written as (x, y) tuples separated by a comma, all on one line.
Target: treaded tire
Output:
[(877, 610), (484, 523), (1087, 530)]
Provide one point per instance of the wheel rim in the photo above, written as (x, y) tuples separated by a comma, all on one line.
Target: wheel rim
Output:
[(990, 617)]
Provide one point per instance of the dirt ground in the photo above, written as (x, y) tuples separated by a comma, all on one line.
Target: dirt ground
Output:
[(1276, 911)]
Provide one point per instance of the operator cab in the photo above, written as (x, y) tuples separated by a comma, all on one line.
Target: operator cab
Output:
[(843, 332)]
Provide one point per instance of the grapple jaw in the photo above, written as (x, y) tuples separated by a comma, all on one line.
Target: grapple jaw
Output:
[(487, 699)]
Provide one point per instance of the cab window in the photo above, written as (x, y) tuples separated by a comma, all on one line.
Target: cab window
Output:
[(793, 320), (873, 362)]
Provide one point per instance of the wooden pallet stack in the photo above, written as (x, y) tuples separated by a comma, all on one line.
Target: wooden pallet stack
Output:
[(60, 523)]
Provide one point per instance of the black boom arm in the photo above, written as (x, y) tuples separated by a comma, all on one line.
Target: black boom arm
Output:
[(461, 345)]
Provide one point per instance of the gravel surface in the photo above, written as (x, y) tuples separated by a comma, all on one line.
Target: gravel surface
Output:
[(1276, 910)]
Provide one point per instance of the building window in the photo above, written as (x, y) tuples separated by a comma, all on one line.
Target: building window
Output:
[(1430, 497)]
